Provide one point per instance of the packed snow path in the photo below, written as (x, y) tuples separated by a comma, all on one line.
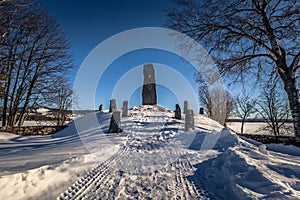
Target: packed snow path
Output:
[(146, 167)]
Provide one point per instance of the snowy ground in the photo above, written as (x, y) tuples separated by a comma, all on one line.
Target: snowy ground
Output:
[(154, 158), (254, 128), (37, 123)]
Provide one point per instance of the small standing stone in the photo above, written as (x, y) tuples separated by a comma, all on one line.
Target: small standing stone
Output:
[(125, 109), (112, 105), (186, 107), (201, 112), (115, 122), (100, 108), (177, 112), (189, 120)]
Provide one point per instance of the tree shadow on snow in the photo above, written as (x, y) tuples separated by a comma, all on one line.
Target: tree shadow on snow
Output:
[(213, 140)]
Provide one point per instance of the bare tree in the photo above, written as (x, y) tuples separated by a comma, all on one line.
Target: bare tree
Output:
[(33, 51), (213, 103), (205, 99), (244, 107), (247, 36), (63, 100), (229, 107), (273, 107)]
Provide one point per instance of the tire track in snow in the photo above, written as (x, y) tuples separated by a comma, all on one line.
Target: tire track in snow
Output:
[(187, 184), (196, 183), (94, 176)]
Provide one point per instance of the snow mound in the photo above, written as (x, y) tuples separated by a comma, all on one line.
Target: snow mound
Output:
[(243, 170)]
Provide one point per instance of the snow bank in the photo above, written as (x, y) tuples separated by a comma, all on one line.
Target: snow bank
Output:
[(243, 170), (42, 167), (49, 181), (45, 182)]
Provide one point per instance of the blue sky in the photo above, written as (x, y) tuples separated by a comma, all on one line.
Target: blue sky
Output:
[(90, 22)]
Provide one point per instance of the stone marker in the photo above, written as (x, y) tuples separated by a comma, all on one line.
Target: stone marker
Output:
[(149, 87), (186, 107), (112, 105), (115, 122), (100, 107), (201, 112), (189, 120), (177, 112), (125, 109)]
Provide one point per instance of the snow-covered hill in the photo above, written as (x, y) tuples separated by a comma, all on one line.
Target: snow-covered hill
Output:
[(154, 158)]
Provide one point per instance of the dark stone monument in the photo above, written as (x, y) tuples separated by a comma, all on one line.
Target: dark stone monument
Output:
[(125, 109), (201, 112), (112, 105), (177, 112), (115, 122), (189, 120), (186, 107), (149, 87), (100, 108)]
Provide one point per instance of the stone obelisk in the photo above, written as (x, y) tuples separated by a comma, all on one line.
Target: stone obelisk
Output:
[(149, 87)]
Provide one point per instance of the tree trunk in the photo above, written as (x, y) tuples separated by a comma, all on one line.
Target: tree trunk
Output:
[(4, 112), (242, 127), (290, 87), (24, 109), (22, 119), (6, 96)]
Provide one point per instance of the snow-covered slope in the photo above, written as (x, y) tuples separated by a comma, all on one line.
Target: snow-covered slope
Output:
[(154, 158)]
